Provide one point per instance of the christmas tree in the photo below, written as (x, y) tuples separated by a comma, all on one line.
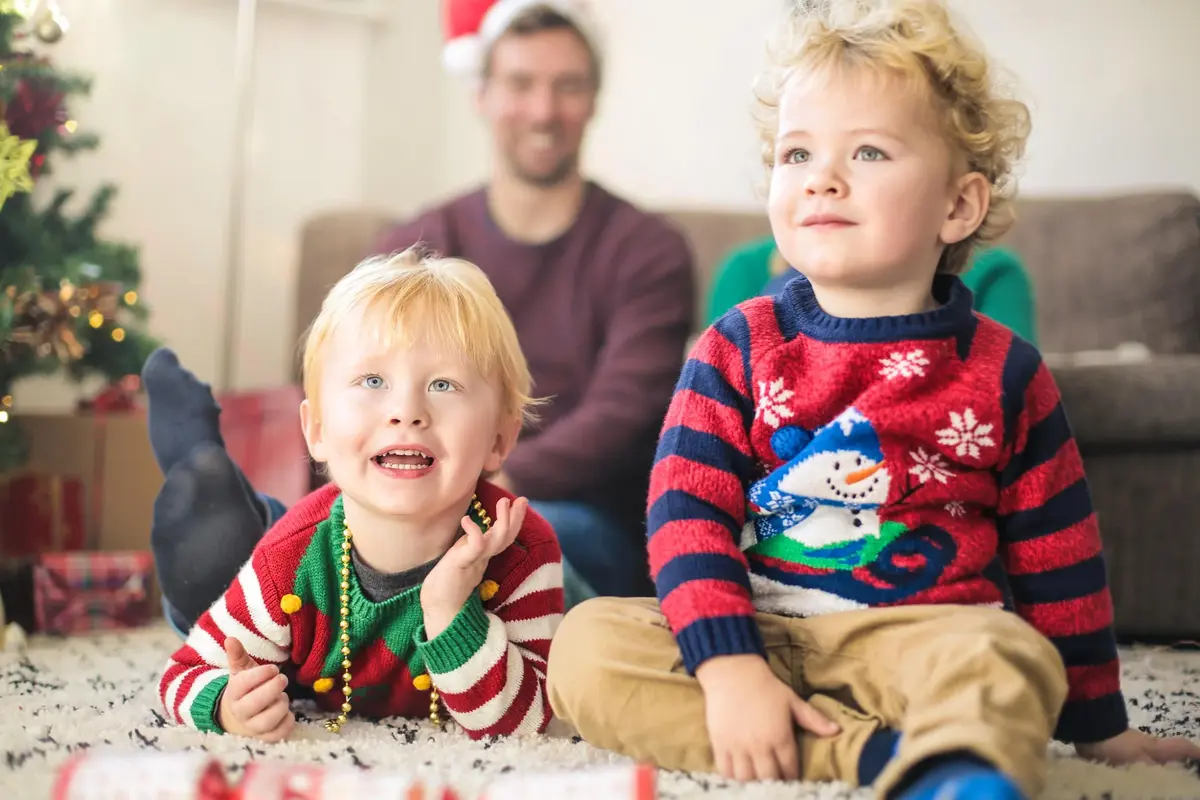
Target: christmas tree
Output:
[(68, 299)]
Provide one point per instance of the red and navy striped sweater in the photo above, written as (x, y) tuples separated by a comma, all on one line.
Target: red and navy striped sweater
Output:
[(812, 464)]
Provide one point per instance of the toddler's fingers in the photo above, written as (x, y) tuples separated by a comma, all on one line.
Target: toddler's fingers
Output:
[(788, 757), (471, 546), (516, 517), (243, 683), (282, 730), (724, 762), (810, 719), (270, 717), (239, 659), (1175, 749), (743, 767), (766, 768), (261, 698)]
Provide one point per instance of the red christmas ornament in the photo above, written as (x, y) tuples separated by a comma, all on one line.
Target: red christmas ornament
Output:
[(34, 110)]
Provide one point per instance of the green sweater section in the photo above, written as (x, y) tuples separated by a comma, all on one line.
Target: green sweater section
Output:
[(397, 622), (995, 276)]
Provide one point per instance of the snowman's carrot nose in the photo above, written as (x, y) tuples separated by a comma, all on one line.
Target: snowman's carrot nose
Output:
[(864, 473)]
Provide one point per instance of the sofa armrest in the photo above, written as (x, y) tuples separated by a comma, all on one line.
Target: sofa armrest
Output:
[(1154, 404)]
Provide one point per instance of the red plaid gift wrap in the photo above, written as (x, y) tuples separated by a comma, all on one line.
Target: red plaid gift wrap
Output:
[(92, 591), (40, 513)]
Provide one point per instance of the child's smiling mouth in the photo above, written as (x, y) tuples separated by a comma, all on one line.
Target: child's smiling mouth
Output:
[(404, 459)]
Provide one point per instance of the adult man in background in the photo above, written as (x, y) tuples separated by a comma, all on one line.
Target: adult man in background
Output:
[(600, 292), (601, 295)]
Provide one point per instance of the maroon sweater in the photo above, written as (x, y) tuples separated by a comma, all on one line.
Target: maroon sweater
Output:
[(603, 314)]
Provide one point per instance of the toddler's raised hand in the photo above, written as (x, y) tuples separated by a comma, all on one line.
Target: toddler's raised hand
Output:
[(460, 571), (253, 703)]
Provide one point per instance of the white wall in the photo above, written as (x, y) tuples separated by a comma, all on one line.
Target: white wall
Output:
[(352, 112)]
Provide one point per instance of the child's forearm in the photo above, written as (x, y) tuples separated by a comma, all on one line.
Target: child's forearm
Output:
[(490, 685), (198, 672)]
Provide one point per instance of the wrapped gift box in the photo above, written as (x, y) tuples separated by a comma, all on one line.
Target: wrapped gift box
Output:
[(92, 591), (40, 513), (110, 454)]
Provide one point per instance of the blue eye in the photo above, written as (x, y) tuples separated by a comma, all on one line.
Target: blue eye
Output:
[(868, 153), (373, 382), (441, 385), (795, 156)]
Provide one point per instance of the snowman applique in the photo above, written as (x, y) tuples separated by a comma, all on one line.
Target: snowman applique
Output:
[(815, 525)]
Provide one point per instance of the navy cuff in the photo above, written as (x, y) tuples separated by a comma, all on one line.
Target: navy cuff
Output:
[(1087, 721), (719, 636)]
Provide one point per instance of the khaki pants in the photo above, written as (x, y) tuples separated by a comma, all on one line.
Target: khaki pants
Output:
[(949, 678)]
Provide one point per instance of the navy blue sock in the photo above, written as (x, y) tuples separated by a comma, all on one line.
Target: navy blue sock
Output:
[(182, 410), (876, 753), (956, 776), (205, 527), (182, 415)]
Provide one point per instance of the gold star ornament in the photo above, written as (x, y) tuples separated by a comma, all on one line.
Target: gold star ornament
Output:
[(14, 164)]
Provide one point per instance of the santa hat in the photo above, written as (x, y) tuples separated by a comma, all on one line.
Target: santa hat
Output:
[(472, 26)]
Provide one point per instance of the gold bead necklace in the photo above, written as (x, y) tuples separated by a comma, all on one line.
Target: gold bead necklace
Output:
[(335, 725)]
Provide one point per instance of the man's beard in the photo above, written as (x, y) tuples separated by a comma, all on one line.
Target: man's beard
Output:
[(564, 168)]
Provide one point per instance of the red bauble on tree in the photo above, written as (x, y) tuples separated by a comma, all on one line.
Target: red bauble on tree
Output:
[(34, 110)]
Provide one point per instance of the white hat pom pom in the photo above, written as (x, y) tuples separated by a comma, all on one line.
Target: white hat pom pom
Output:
[(462, 56)]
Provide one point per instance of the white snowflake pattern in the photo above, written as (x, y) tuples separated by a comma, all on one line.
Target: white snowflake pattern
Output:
[(792, 517), (771, 400), (929, 466), (777, 502), (904, 365), (966, 434), (956, 509)]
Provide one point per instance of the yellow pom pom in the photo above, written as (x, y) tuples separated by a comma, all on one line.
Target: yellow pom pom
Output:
[(422, 682), (487, 590), (322, 685), (290, 603)]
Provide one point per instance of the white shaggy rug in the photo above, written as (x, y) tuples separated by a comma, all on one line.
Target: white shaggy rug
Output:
[(62, 695)]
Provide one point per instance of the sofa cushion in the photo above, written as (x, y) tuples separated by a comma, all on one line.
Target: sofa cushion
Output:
[(1151, 405), (1109, 270)]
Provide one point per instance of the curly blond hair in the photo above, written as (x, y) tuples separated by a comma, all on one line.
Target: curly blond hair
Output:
[(914, 39)]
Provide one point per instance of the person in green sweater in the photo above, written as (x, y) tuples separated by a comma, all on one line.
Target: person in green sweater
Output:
[(995, 276)]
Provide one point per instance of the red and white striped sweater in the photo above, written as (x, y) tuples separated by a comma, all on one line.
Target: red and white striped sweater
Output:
[(489, 665)]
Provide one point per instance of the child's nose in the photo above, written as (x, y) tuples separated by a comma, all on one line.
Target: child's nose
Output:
[(409, 412)]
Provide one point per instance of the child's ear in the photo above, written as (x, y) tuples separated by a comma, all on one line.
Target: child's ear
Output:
[(311, 426), (971, 201), (506, 439)]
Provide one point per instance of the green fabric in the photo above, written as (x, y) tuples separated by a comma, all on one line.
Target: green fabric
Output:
[(396, 621), (461, 639), (1003, 290), (996, 277), (204, 707), (741, 276)]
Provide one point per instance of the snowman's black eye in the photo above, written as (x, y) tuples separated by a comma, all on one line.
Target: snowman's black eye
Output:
[(836, 466), (858, 462)]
